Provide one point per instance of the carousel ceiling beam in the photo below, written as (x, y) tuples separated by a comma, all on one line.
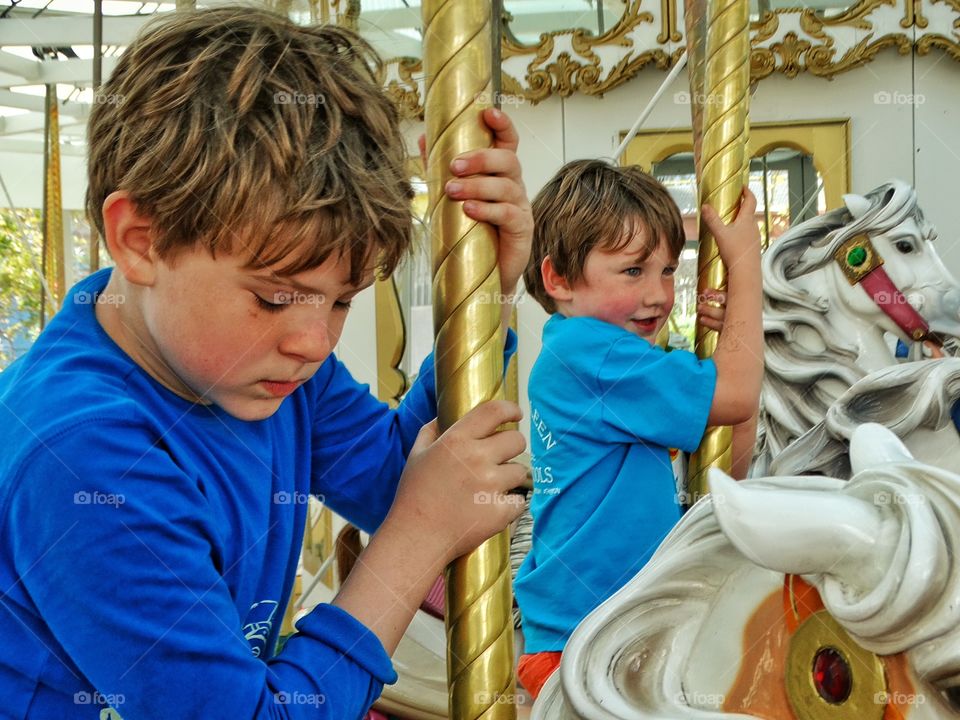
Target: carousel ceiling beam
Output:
[(68, 31), (35, 103), (35, 147), (33, 122), (11, 64), (75, 72)]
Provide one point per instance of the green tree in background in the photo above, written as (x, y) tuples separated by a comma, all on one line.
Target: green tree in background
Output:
[(19, 285)]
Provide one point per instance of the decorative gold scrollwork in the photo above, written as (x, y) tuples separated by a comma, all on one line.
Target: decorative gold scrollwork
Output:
[(856, 16), (581, 71), (404, 89), (786, 40)]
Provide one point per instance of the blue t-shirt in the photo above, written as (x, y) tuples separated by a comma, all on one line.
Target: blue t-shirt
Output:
[(605, 407), (148, 545)]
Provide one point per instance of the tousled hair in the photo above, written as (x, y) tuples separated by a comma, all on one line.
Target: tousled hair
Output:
[(235, 130), (590, 204)]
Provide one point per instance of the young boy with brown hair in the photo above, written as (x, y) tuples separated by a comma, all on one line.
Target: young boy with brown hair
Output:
[(161, 437), (606, 402)]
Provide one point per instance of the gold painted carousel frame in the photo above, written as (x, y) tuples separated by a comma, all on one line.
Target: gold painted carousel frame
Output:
[(651, 32)]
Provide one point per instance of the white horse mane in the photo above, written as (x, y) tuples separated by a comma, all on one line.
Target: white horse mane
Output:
[(632, 657), (904, 398), (644, 634), (800, 383)]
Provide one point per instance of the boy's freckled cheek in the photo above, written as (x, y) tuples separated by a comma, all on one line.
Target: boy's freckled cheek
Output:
[(617, 306)]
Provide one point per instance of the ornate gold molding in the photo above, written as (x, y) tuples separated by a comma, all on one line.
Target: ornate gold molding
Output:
[(404, 89), (826, 141), (567, 72), (790, 41)]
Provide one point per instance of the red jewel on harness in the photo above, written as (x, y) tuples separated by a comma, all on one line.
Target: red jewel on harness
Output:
[(831, 675)]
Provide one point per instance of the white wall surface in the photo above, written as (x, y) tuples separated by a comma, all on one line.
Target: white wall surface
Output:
[(23, 175)]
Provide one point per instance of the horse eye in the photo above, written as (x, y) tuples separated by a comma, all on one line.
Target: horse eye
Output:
[(952, 696), (904, 246)]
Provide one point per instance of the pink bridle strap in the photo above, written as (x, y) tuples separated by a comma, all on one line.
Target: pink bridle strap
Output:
[(862, 265)]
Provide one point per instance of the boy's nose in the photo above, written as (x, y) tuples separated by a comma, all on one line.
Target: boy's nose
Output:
[(656, 295), (309, 345)]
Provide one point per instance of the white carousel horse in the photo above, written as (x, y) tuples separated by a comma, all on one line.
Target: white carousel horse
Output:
[(918, 401), (822, 332), (783, 598)]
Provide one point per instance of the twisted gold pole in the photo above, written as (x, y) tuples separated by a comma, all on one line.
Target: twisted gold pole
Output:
[(53, 256), (695, 20), (723, 165), (469, 345)]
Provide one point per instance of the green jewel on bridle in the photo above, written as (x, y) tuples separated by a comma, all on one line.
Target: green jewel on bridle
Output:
[(856, 257)]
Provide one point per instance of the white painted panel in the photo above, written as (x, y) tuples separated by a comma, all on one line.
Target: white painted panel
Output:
[(938, 150), (23, 175)]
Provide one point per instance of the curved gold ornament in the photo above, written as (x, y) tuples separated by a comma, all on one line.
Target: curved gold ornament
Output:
[(469, 343), (392, 382), (866, 700), (722, 169), (404, 89)]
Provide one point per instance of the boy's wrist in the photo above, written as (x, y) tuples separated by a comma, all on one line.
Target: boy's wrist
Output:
[(746, 265), (420, 547)]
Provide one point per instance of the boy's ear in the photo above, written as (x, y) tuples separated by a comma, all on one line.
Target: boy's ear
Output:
[(129, 238), (554, 283)]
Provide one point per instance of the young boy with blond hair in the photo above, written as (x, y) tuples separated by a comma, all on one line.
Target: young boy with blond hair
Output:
[(162, 435), (606, 402)]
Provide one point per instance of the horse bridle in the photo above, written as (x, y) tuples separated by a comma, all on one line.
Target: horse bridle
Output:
[(862, 265)]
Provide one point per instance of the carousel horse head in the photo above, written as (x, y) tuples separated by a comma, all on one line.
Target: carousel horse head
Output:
[(792, 598), (836, 289), (918, 401)]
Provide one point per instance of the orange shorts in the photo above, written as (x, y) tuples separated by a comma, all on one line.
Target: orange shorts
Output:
[(534, 670)]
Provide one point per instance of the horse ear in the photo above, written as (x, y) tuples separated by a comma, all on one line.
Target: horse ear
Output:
[(858, 205), (872, 444)]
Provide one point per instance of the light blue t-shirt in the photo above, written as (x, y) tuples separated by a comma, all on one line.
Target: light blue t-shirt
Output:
[(605, 407)]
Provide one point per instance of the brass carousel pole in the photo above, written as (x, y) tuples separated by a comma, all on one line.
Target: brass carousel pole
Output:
[(53, 256), (469, 344), (97, 78), (720, 37)]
